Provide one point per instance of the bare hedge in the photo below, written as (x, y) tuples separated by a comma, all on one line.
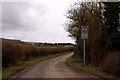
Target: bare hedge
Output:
[(111, 63), (14, 53)]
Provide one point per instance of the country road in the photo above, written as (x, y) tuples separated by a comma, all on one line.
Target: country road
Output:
[(52, 68)]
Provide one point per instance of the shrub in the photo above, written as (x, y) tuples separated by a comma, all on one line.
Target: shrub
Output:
[(114, 42), (14, 53), (111, 63)]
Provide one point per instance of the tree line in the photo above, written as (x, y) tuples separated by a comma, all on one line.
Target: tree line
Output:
[(103, 43)]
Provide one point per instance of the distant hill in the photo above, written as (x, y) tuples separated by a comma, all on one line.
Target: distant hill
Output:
[(13, 41), (36, 43)]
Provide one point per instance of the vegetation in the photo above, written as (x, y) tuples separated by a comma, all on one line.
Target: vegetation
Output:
[(13, 53), (48, 44), (102, 18), (111, 63), (94, 71)]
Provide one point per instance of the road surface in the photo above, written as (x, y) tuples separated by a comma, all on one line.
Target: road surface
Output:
[(52, 68)]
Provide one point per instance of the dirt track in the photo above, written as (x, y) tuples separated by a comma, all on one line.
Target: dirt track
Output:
[(52, 68)]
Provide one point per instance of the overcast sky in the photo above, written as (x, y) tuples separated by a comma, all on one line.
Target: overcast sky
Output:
[(37, 20)]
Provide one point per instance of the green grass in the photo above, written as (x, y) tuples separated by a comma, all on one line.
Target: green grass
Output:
[(22, 65), (87, 69), (0, 75)]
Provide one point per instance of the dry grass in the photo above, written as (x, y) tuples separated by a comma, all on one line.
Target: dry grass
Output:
[(14, 53), (111, 63)]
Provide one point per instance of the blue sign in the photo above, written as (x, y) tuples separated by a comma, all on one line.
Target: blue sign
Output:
[(84, 32)]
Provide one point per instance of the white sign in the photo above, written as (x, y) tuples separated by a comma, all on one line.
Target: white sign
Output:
[(84, 32)]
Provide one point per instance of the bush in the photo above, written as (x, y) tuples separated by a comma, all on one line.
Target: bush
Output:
[(114, 42), (14, 53), (111, 63)]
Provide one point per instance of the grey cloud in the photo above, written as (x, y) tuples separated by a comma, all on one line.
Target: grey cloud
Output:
[(15, 16), (11, 14)]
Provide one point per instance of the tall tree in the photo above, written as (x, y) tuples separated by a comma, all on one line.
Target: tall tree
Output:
[(111, 15), (88, 13), (112, 22)]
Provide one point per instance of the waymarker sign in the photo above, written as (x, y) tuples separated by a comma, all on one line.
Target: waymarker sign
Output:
[(84, 35), (84, 32)]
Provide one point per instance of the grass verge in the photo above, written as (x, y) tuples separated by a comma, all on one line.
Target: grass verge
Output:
[(22, 65), (88, 69)]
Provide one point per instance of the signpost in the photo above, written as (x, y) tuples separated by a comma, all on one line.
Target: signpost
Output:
[(84, 35)]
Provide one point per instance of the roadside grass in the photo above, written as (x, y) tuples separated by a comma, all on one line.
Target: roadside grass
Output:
[(0, 75), (8, 72), (88, 69)]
